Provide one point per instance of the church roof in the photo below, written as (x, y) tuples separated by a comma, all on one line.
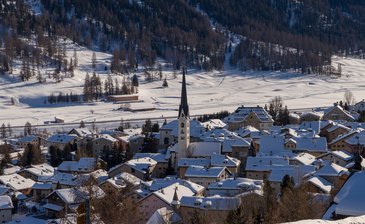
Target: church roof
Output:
[(184, 99)]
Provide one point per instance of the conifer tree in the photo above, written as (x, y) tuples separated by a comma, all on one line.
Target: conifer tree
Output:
[(3, 131), (135, 80), (82, 124), (76, 60), (10, 130), (93, 60), (27, 128), (287, 184), (117, 87), (87, 89), (165, 84)]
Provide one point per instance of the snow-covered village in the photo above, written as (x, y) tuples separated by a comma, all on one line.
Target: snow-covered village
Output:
[(182, 112)]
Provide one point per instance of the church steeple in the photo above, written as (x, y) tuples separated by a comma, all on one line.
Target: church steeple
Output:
[(184, 108), (184, 122)]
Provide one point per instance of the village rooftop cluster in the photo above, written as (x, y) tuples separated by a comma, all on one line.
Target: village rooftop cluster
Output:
[(193, 169)]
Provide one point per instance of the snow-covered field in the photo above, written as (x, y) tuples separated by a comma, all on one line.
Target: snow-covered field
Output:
[(349, 220), (207, 91)]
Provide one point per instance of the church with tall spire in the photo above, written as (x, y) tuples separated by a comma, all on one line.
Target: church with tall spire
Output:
[(184, 121)]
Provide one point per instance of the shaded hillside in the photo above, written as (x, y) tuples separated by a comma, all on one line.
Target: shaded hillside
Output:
[(277, 34), (307, 32)]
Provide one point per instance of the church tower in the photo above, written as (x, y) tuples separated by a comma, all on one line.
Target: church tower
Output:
[(184, 121)]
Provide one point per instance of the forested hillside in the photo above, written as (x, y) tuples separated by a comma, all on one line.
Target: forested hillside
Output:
[(285, 34), (274, 34)]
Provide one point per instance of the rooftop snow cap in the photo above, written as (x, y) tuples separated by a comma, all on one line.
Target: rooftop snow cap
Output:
[(184, 108)]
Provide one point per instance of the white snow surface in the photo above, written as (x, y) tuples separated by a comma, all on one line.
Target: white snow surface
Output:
[(207, 91), (349, 220)]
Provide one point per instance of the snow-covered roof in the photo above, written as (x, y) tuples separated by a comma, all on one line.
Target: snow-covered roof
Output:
[(265, 163), (158, 184), (278, 172), (42, 171), (141, 164), (11, 170), (248, 131), (297, 172), (229, 139), (331, 169), (61, 138), (125, 178), (311, 144), (200, 171), (312, 114), (196, 128), (242, 112), (354, 125), (313, 125), (185, 162), (158, 157), (42, 186), (211, 203), (100, 175), (129, 178), (106, 137), (117, 183), (321, 183), (4, 190), (164, 216), (342, 154), (237, 183), (214, 123), (28, 138), (304, 158), (228, 143), (67, 179), (347, 135), (53, 207), (69, 195), (336, 126), (16, 182), (289, 131), (131, 134), (350, 199), (224, 161), (83, 165), (346, 113), (272, 145), (167, 194), (78, 195), (218, 134), (81, 132), (204, 149), (358, 138), (5, 202)]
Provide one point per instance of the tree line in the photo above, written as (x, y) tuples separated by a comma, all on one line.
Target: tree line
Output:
[(136, 33)]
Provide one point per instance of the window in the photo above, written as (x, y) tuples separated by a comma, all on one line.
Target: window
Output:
[(166, 141), (182, 125)]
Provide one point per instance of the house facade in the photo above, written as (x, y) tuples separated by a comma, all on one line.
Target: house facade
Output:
[(249, 116)]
